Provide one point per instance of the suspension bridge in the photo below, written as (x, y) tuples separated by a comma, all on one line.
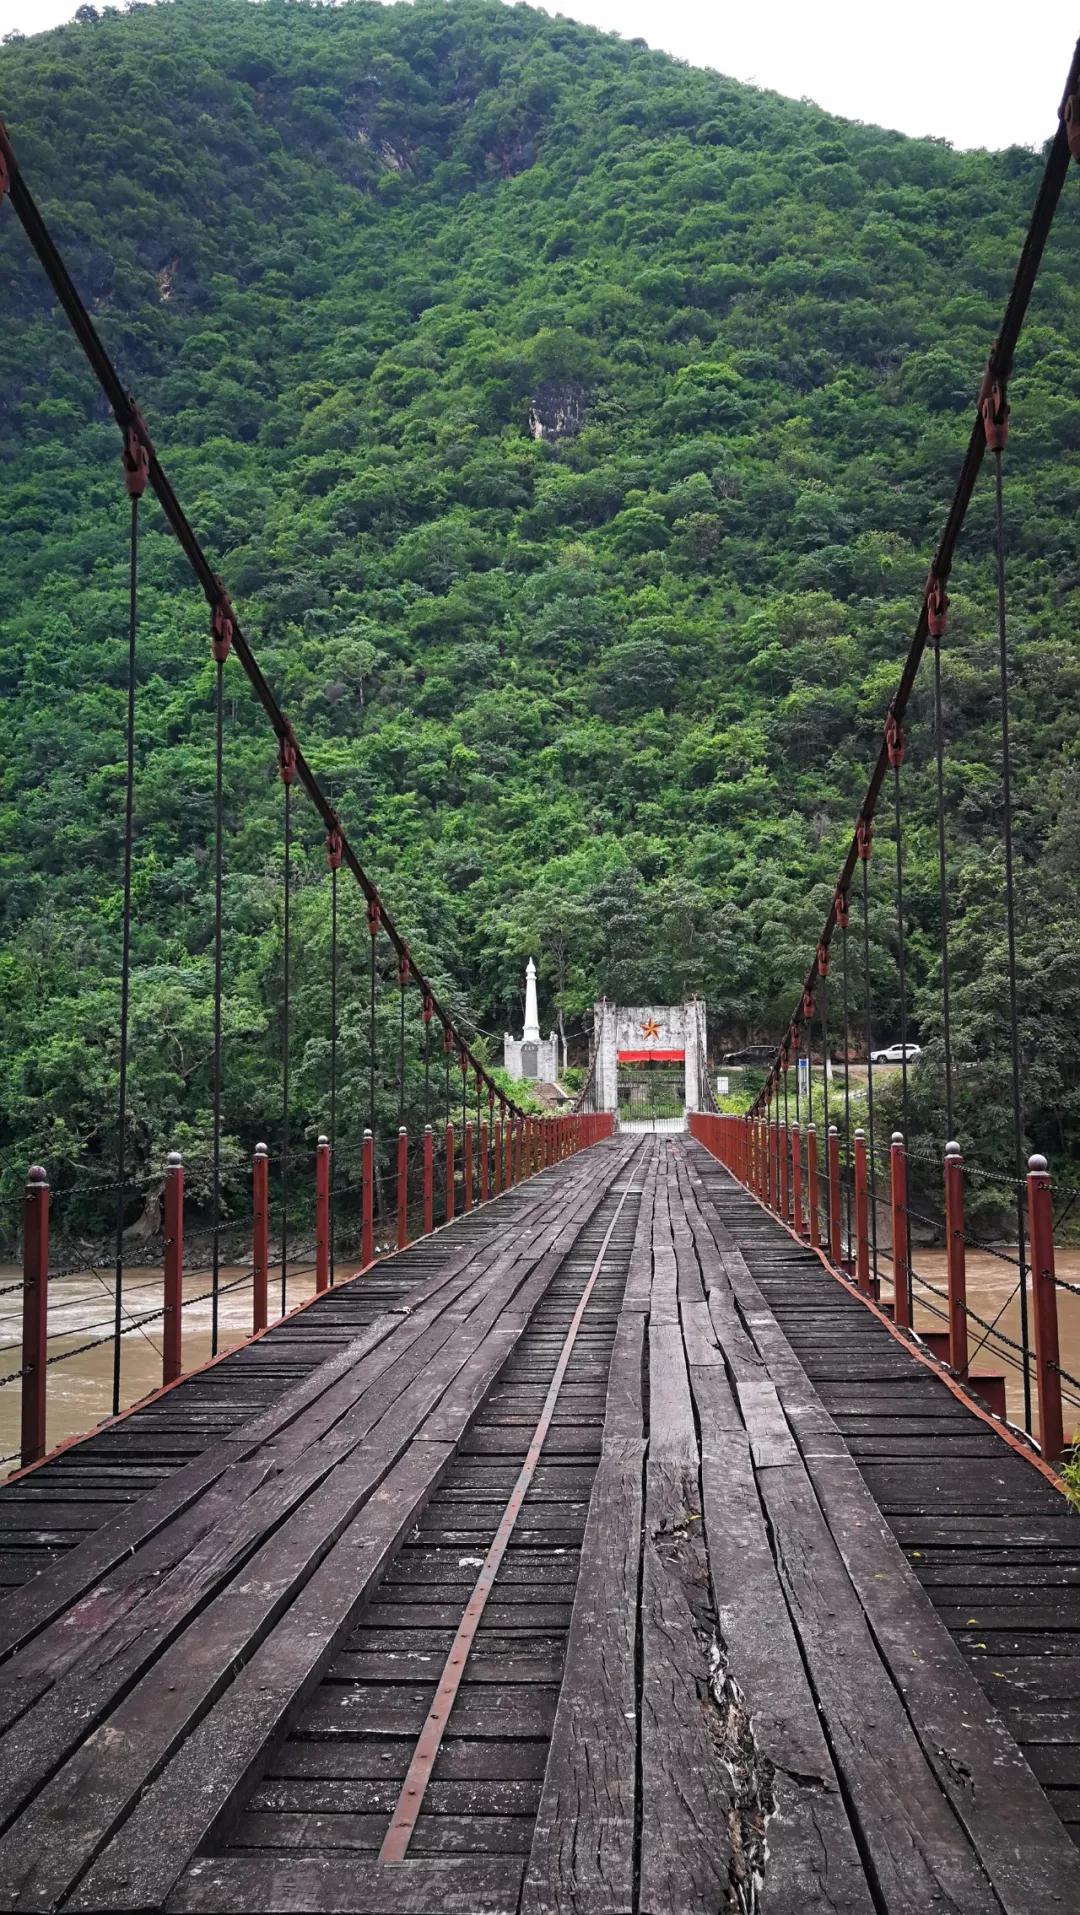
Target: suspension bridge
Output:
[(623, 1520)]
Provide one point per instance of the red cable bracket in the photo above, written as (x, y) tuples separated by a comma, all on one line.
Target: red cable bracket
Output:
[(447, 1039), (287, 760), (374, 916), (428, 1010), (864, 836), (937, 605), (808, 1005), (335, 849), (136, 453), (823, 958), (840, 910), (404, 969), (222, 624), (994, 406), (894, 740)]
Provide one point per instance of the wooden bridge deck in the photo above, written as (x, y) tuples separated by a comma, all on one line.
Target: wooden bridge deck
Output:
[(772, 1622)]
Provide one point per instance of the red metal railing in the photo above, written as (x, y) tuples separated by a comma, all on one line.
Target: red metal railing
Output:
[(525, 1152), (759, 1154)]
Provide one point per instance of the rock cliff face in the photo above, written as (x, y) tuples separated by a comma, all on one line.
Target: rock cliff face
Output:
[(558, 409)]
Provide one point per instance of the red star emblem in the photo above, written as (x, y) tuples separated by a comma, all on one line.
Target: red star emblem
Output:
[(650, 1028)]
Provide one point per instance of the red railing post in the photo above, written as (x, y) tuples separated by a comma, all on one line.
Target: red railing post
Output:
[(956, 1255), (35, 1327), (862, 1217), (449, 1173), (508, 1127), (796, 1180), (517, 1150), (402, 1188), (497, 1156), (367, 1201), (466, 1201), (172, 1229), (322, 1215), (429, 1181), (901, 1241), (832, 1151), (1045, 1308), (260, 1237), (483, 1163), (785, 1172), (812, 1193)]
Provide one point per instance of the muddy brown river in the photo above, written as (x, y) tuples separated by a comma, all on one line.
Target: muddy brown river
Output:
[(81, 1309)]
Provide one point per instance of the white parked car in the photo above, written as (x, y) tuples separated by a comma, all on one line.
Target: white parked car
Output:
[(895, 1054)]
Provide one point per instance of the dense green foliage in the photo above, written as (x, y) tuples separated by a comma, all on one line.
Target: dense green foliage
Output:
[(609, 696)]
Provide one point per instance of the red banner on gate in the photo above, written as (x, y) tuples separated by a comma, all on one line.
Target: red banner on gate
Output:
[(652, 1057)]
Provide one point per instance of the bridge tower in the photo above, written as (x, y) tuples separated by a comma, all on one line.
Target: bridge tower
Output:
[(650, 1063)]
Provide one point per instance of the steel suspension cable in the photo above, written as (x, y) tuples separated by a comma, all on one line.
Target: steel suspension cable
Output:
[(900, 1251), (867, 1019), (334, 855), (401, 1050), (943, 892), (847, 1082), (287, 1009), (823, 1013), (373, 921), (125, 957), (1010, 905), (999, 365), (785, 1175), (901, 945), (134, 432), (220, 645)]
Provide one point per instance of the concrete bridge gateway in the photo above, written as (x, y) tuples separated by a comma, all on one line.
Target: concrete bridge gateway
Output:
[(649, 1063)]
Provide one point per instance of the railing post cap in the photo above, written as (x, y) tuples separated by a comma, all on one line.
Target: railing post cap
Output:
[(323, 1143), (37, 1175), (261, 1150), (898, 1137), (1038, 1165), (833, 1131), (174, 1161), (860, 1133), (403, 1130), (952, 1150), (427, 1130), (811, 1127), (367, 1133)]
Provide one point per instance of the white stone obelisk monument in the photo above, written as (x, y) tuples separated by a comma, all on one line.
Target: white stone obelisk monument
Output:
[(531, 1055)]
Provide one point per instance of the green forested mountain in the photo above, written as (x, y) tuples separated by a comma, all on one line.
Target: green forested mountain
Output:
[(572, 429)]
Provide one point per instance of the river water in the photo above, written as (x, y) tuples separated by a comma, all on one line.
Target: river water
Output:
[(81, 1311), (79, 1390)]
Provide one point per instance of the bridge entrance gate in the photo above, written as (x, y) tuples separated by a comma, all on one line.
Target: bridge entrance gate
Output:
[(650, 1063)]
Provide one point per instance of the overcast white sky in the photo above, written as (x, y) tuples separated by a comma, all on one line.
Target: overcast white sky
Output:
[(976, 72)]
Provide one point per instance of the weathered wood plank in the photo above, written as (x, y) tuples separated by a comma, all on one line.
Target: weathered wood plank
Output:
[(582, 1856), (775, 1739), (689, 1805), (285, 1885)]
